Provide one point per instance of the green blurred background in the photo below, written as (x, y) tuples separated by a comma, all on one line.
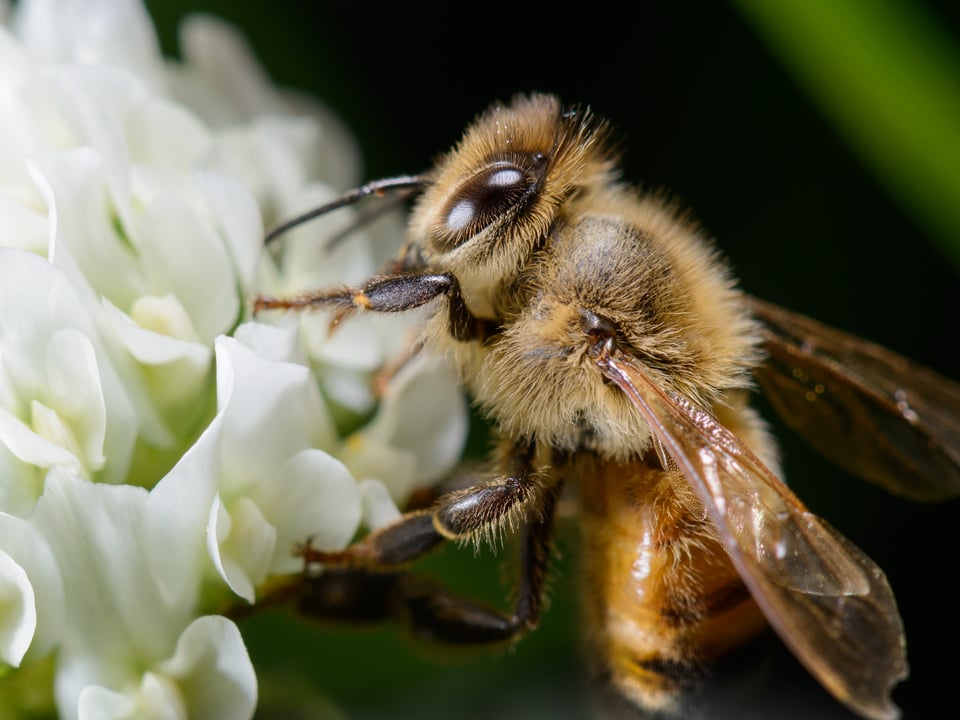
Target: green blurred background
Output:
[(818, 141)]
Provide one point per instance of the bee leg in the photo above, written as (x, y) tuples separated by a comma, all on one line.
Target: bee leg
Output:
[(389, 548), (520, 499), (480, 511), (422, 605), (475, 513), (388, 293)]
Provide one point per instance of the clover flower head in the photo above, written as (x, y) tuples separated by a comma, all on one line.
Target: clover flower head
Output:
[(162, 452)]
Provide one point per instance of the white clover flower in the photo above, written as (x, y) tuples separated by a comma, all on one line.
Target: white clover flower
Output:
[(130, 646), (258, 480), (61, 402), (414, 439), (117, 179), (161, 454), (163, 289)]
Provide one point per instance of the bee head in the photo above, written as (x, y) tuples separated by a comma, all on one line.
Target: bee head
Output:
[(494, 197)]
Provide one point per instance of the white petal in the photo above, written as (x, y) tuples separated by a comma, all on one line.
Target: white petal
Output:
[(385, 236), (114, 610), (157, 698), (76, 393), (379, 509), (119, 624), (268, 412), (273, 410), (31, 448), (267, 155), (395, 468), (235, 214), (36, 300), (162, 371), (354, 345), (347, 388), (424, 412), (229, 69), (165, 316), (179, 509), (73, 183), (316, 498), (224, 82), (23, 226), (20, 483), (208, 676), (95, 100), (165, 135), (170, 231), (30, 550), (213, 670), (18, 614), (160, 699), (90, 31), (272, 342), (145, 340), (52, 356), (170, 378), (30, 116), (99, 703), (241, 544), (78, 691)]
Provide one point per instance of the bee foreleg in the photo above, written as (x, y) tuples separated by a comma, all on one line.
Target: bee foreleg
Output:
[(387, 293)]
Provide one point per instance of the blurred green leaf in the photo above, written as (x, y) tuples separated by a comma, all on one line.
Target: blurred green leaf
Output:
[(888, 76)]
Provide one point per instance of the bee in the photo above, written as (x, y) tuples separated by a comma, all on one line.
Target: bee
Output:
[(606, 340)]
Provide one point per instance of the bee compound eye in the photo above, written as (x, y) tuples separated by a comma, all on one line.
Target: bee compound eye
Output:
[(481, 200)]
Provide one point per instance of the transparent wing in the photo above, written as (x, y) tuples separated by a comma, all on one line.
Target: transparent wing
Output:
[(874, 413), (827, 600)]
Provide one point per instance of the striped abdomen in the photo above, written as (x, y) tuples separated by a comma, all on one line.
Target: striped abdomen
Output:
[(661, 594)]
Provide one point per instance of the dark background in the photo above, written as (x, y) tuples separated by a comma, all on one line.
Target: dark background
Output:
[(707, 111)]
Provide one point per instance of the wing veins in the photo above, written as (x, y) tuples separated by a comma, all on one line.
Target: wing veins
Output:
[(830, 604)]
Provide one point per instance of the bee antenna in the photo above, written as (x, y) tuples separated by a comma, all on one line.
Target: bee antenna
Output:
[(375, 187)]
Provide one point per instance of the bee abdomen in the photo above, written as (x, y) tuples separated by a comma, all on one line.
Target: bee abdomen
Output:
[(654, 678), (663, 597), (661, 656)]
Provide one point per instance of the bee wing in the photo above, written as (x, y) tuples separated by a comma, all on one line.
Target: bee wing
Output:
[(868, 410), (828, 601)]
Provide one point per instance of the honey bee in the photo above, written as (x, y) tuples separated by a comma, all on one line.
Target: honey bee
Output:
[(607, 342)]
